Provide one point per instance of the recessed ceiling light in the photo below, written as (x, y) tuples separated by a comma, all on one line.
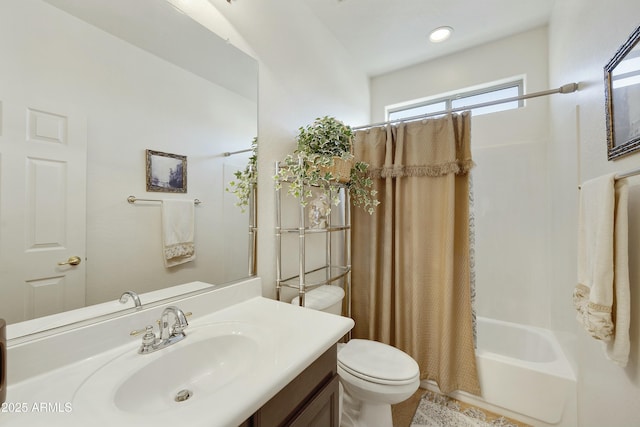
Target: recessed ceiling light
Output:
[(440, 34)]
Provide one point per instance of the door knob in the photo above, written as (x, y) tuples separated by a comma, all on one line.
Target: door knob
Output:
[(73, 260)]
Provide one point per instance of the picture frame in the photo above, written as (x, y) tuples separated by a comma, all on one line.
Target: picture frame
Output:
[(622, 98), (166, 172)]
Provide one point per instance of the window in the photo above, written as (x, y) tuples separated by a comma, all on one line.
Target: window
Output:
[(459, 100)]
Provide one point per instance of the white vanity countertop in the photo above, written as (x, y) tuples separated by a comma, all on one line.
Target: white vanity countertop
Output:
[(294, 338)]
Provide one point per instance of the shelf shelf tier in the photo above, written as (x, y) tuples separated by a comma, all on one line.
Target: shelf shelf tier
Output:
[(309, 230), (320, 276)]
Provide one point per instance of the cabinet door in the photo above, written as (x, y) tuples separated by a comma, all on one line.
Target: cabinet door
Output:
[(322, 410), (296, 397)]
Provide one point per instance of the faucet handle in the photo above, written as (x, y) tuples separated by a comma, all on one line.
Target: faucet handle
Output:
[(148, 339), (148, 334), (135, 332)]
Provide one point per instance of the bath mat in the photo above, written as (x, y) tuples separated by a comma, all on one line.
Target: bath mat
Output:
[(436, 410)]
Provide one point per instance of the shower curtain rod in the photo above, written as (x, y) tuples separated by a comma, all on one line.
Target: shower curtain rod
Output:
[(568, 88), (231, 153)]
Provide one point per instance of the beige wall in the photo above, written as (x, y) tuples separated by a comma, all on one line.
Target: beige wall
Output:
[(583, 36)]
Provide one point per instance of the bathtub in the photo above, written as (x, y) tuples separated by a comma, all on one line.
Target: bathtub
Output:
[(522, 370)]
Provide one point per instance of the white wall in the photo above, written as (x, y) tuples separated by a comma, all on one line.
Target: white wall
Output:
[(304, 73), (133, 101), (583, 36), (510, 184)]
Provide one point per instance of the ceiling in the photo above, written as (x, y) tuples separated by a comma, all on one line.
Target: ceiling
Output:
[(385, 35)]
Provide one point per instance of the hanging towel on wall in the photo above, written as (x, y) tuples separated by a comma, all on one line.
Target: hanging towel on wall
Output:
[(178, 231), (601, 296)]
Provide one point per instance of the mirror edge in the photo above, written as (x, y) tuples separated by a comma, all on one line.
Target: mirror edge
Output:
[(614, 152)]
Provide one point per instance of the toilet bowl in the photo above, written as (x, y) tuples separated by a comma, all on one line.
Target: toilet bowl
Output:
[(373, 375)]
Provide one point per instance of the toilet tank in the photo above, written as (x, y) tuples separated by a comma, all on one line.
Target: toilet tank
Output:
[(327, 298)]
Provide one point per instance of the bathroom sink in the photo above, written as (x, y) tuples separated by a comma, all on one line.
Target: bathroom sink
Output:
[(236, 356), (199, 368), (210, 358)]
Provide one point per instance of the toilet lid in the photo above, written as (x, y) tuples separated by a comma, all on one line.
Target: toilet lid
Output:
[(377, 362)]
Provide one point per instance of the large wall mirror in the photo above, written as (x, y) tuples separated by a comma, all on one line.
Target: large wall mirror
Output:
[(622, 92), (86, 87)]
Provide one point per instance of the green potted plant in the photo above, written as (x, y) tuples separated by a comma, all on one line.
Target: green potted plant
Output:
[(245, 179), (324, 159)]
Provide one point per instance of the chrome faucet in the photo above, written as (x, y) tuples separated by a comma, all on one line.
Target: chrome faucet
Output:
[(177, 329), (136, 299), (168, 334)]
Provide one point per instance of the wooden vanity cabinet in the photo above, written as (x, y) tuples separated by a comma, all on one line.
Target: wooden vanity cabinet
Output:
[(310, 400)]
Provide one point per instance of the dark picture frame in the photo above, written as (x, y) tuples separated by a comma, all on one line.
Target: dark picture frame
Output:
[(622, 97), (166, 172)]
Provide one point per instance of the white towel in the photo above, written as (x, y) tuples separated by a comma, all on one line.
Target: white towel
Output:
[(617, 349), (178, 231), (602, 293)]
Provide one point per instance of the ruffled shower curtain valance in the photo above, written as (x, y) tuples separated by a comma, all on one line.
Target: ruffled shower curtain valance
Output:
[(410, 260)]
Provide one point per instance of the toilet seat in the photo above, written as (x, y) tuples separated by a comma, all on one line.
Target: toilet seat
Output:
[(378, 363)]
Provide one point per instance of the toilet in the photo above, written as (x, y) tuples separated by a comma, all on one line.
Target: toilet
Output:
[(373, 376)]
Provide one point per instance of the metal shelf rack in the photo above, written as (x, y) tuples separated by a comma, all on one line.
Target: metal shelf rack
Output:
[(335, 268)]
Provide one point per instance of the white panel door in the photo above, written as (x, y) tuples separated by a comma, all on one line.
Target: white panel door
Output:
[(42, 208)]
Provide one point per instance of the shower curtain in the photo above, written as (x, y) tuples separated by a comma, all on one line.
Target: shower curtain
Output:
[(410, 259)]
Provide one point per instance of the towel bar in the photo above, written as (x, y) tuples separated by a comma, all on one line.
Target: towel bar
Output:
[(622, 175), (133, 199)]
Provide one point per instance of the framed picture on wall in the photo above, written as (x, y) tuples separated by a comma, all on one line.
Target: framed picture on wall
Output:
[(166, 172), (622, 94)]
